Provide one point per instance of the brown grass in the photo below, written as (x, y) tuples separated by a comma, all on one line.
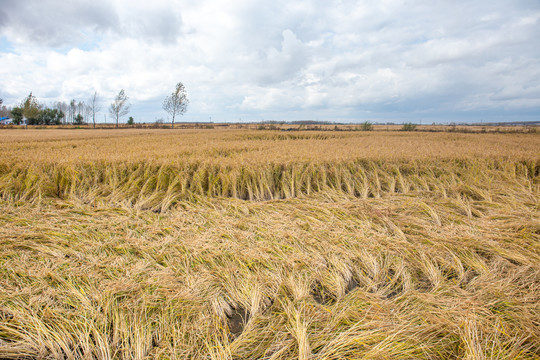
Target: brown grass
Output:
[(361, 245), (231, 147)]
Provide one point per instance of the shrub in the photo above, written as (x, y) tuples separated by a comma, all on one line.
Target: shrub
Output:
[(79, 120), (367, 126), (408, 127)]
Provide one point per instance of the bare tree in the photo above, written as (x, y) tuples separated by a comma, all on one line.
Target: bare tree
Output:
[(95, 106), (120, 106), (72, 110), (177, 102), (80, 108), (64, 108), (4, 111), (87, 112)]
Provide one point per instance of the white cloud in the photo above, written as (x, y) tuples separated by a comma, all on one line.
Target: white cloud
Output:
[(283, 60)]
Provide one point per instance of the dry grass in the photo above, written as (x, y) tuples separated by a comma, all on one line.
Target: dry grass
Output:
[(376, 246), (234, 147)]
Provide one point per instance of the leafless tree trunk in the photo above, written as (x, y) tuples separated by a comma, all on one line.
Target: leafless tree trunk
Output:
[(80, 108), (95, 106), (72, 110), (64, 108)]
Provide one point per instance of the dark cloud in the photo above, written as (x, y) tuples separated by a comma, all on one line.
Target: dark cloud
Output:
[(153, 24), (65, 23), (4, 19), (56, 23)]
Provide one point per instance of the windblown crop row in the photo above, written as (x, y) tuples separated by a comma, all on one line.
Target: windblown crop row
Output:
[(328, 277), (269, 245), (155, 187)]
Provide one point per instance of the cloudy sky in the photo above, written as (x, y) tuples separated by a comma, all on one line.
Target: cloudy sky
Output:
[(377, 60)]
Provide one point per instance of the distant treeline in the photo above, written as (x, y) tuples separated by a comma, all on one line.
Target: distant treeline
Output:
[(31, 112)]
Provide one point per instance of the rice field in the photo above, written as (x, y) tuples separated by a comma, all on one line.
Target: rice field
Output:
[(258, 244)]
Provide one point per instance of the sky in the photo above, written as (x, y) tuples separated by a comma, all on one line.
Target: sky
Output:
[(251, 60)]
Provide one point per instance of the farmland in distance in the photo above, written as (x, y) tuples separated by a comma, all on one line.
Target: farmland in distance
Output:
[(248, 244)]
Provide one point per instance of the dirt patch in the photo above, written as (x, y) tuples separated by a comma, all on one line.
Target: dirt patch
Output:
[(321, 295), (237, 321)]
